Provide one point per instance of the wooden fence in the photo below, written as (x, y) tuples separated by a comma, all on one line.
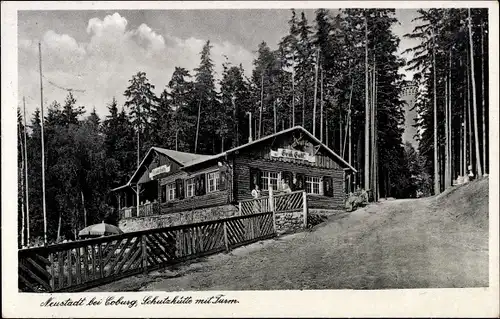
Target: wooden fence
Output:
[(284, 202), (79, 265)]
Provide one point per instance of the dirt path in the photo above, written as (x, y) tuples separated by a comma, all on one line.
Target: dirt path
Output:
[(393, 244)]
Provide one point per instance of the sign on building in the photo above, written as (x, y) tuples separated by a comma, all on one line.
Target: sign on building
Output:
[(159, 170), (293, 154)]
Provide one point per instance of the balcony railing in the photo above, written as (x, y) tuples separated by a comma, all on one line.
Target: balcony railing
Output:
[(148, 209)]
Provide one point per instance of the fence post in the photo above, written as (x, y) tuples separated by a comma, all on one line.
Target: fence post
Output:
[(52, 272), (274, 220), (304, 207), (239, 208), (271, 199), (226, 242), (144, 254)]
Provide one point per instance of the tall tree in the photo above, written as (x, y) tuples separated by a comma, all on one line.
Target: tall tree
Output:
[(207, 102), (474, 99), (142, 103)]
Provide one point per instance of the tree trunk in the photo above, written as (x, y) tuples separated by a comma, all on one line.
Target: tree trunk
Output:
[(84, 210), (176, 139), (26, 184), (293, 91), (197, 127), (315, 92), (274, 116), (372, 128), (469, 118), (23, 226), (446, 139), (261, 102), (236, 120), (464, 124), (322, 108), (450, 128), (367, 114), (436, 167), (350, 123), (326, 127), (59, 228), (375, 139), (474, 100), (483, 101), (341, 138), (304, 109)]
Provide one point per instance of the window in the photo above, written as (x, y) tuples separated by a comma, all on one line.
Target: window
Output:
[(171, 191), (270, 178), (213, 181), (313, 185), (190, 187)]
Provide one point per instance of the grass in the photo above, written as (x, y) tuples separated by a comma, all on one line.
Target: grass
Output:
[(436, 242)]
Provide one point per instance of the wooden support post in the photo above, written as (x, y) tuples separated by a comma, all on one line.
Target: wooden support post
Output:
[(226, 241), (144, 254), (304, 207), (274, 220), (239, 208), (101, 263), (52, 272)]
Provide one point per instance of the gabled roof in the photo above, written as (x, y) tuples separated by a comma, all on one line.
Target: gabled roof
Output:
[(299, 128), (181, 158), (187, 160)]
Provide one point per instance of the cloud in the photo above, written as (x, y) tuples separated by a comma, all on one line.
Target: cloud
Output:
[(112, 53)]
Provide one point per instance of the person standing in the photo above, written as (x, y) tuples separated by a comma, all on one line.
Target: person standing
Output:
[(256, 195), (286, 190)]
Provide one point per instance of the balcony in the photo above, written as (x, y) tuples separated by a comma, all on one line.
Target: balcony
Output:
[(148, 209)]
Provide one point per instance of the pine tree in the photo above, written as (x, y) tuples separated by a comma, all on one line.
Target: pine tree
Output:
[(207, 102), (142, 103)]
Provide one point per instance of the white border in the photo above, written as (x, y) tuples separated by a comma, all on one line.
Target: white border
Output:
[(475, 302)]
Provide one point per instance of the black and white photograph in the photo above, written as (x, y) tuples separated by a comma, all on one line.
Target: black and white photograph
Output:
[(287, 148)]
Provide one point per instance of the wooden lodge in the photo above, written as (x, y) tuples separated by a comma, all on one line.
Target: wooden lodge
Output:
[(169, 181)]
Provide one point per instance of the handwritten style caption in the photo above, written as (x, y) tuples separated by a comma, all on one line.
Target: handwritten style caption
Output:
[(131, 302)]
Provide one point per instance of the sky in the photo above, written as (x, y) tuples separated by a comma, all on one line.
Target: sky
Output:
[(97, 52)]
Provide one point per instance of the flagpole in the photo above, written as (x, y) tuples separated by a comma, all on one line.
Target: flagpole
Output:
[(43, 150), (26, 178)]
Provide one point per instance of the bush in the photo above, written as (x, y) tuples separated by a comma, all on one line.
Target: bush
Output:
[(357, 199)]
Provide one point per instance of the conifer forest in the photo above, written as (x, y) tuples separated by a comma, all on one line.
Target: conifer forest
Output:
[(338, 76)]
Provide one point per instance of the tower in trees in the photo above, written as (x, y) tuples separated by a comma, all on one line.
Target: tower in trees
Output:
[(410, 129)]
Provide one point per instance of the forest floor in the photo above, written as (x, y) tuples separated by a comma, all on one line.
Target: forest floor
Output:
[(439, 241)]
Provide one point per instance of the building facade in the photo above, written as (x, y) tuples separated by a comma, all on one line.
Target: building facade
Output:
[(169, 182)]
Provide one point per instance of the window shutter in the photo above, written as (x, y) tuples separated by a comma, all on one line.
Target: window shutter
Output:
[(201, 179), (163, 193), (197, 187), (222, 180), (328, 186), (179, 188), (299, 185)]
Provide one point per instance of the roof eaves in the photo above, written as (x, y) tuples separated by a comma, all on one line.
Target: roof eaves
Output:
[(199, 161), (329, 150), (140, 165)]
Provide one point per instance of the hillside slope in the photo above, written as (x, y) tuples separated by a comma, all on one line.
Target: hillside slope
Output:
[(435, 242)]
